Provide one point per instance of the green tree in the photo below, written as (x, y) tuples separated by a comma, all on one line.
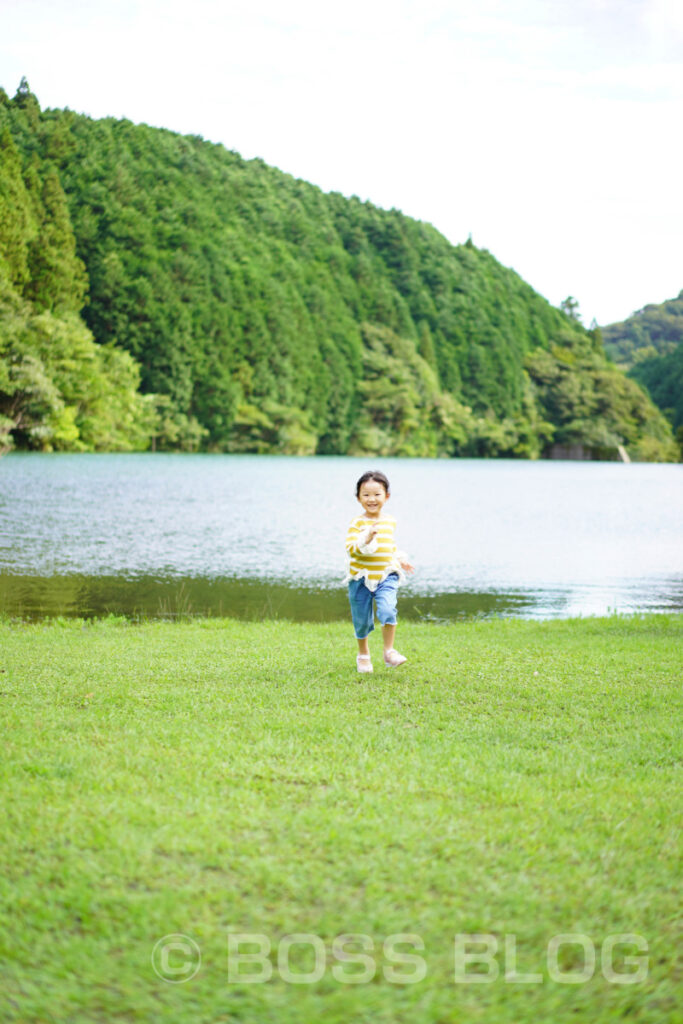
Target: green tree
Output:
[(662, 376), (61, 391), (17, 222), (57, 277), (570, 307)]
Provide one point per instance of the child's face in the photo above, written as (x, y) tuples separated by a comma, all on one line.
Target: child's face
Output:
[(372, 497)]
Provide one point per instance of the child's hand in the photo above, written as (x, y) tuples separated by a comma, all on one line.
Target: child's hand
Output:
[(371, 534), (407, 567)]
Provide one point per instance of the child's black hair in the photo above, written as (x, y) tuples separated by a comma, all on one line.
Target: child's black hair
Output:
[(372, 474)]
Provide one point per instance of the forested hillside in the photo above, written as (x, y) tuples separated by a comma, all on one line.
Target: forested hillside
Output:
[(656, 329), (650, 345), (58, 388), (662, 376), (264, 315)]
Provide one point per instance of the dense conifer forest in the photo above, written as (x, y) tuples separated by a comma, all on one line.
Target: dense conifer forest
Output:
[(157, 290)]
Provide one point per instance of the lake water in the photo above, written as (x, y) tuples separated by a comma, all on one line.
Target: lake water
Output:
[(167, 534)]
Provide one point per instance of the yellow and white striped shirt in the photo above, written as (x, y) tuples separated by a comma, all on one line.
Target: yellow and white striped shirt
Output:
[(374, 561)]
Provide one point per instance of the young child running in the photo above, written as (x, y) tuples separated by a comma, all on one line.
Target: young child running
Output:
[(375, 570)]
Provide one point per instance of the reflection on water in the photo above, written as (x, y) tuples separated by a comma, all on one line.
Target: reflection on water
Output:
[(151, 597), (252, 536), (34, 597)]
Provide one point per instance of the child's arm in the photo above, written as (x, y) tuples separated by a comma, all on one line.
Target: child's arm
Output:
[(402, 559), (361, 542)]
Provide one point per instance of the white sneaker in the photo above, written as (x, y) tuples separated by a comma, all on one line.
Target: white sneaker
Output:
[(393, 659), (363, 663)]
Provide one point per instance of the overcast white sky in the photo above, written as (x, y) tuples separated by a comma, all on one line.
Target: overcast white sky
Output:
[(548, 129)]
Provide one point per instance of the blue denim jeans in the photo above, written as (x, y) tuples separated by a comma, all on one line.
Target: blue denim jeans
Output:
[(360, 599)]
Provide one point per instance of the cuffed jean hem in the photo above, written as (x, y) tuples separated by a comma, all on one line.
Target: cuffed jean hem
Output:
[(361, 601)]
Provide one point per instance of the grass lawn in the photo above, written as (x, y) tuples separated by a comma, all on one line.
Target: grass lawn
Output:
[(515, 780)]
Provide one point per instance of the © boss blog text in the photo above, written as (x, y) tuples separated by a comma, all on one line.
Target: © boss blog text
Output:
[(571, 958)]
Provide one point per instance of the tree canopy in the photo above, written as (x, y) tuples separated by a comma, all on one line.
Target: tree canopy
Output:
[(656, 329), (650, 345), (231, 307), (662, 376)]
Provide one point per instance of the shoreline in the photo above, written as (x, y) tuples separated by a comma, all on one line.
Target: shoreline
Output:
[(201, 621), (143, 597)]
